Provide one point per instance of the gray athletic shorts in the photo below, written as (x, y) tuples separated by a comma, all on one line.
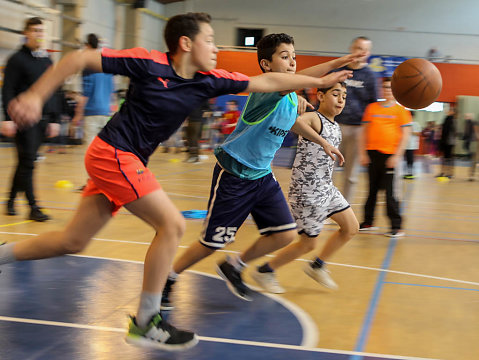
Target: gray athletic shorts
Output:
[(310, 210)]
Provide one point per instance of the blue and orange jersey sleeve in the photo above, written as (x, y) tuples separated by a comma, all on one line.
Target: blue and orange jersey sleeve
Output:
[(134, 63), (225, 82)]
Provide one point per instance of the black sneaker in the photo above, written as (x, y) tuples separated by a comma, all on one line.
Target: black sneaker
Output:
[(233, 280), (166, 303), (10, 208), (160, 334), (37, 215)]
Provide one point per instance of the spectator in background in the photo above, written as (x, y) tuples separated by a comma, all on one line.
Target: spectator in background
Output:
[(22, 70), (436, 140), (67, 104), (94, 106), (384, 136), (411, 146), (475, 157), (468, 136), (361, 92), (428, 135), (193, 131), (230, 119), (446, 145)]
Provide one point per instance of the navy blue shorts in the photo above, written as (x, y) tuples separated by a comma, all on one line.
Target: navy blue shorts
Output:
[(231, 201)]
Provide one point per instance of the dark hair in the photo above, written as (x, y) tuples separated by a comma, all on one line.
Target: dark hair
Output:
[(183, 25), (268, 45), (233, 102), (32, 21), (387, 79), (325, 90), (92, 40)]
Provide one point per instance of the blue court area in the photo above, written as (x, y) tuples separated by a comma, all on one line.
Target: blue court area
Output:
[(76, 308)]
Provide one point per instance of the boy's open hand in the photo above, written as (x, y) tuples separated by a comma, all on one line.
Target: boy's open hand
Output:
[(331, 151), (303, 104), (334, 78), (26, 109)]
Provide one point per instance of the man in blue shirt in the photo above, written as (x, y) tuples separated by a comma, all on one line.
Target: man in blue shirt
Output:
[(94, 105), (362, 90)]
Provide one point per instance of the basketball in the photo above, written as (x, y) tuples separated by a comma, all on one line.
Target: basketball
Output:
[(416, 83)]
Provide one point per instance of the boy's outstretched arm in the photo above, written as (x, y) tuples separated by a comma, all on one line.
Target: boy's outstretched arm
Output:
[(273, 81), (308, 126), (324, 68), (26, 108)]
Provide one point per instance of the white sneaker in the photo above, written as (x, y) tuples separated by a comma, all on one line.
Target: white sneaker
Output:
[(395, 233), (321, 275), (268, 282)]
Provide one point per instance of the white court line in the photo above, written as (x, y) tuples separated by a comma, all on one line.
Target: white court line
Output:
[(212, 339), (310, 331), (184, 195), (305, 260)]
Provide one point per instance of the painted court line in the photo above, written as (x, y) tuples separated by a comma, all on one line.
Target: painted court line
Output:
[(304, 260), (206, 338), (16, 223), (433, 286), (310, 331), (371, 313)]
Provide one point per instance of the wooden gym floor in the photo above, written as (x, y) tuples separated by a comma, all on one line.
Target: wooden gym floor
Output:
[(414, 297)]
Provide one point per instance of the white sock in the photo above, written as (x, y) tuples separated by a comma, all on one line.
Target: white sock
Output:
[(172, 276), (6, 254), (149, 306)]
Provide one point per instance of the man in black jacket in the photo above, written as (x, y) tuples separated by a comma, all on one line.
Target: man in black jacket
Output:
[(22, 70)]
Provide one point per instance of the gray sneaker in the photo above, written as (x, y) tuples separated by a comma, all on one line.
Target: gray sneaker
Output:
[(395, 233), (321, 275), (268, 281)]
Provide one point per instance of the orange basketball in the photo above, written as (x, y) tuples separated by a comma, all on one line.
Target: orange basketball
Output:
[(416, 83)]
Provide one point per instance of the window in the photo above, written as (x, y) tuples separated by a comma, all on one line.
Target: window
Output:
[(248, 37)]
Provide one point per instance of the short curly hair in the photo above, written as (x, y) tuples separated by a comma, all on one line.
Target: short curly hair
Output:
[(268, 45)]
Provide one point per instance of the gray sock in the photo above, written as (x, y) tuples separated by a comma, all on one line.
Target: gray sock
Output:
[(149, 306), (6, 254)]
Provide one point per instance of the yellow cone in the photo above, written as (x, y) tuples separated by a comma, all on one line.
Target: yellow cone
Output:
[(63, 184)]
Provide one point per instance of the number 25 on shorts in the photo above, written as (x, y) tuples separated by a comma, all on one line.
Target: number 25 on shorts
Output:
[(225, 234)]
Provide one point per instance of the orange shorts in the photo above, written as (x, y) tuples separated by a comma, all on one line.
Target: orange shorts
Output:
[(119, 175)]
